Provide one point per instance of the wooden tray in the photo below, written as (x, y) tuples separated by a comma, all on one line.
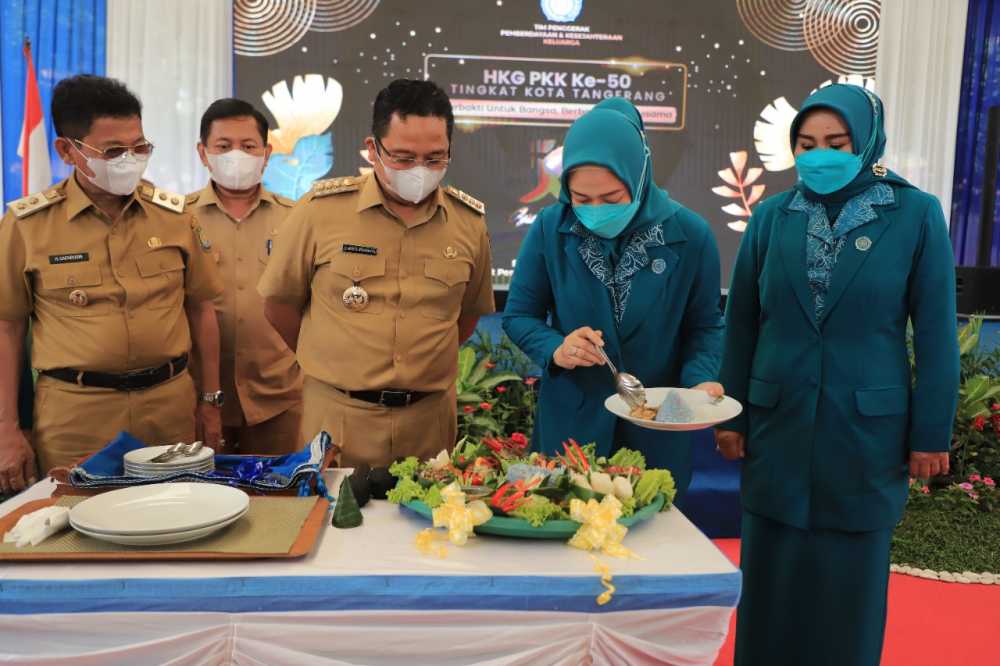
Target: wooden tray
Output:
[(303, 544)]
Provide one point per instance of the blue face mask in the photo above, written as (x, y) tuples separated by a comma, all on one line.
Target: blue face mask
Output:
[(609, 220), (825, 170)]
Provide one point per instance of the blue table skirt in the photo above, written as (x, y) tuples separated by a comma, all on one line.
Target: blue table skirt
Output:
[(347, 593)]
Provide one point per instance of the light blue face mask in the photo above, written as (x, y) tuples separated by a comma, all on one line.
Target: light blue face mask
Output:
[(609, 220), (826, 170)]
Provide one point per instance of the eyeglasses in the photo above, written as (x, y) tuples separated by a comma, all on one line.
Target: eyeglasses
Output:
[(143, 149), (407, 162)]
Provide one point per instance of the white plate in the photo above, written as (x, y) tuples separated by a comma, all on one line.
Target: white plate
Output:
[(160, 470), (145, 455), (139, 474), (163, 532), (162, 538), (158, 508), (208, 466), (706, 414), (170, 470)]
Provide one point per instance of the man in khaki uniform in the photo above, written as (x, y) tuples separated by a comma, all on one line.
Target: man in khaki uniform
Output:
[(260, 378), (118, 280), (384, 275)]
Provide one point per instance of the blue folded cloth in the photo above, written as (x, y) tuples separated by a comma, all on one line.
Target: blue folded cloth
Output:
[(106, 468)]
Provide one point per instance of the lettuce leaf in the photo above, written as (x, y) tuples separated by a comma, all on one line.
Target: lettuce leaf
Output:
[(537, 510), (655, 481), (432, 497), (627, 458), (406, 490), (406, 468)]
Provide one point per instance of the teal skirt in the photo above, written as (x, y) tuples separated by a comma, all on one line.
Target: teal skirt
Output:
[(815, 597)]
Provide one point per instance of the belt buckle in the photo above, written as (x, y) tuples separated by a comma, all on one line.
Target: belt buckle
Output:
[(132, 381), (388, 398)]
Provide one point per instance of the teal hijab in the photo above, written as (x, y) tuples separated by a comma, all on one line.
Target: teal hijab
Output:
[(612, 135), (863, 113)]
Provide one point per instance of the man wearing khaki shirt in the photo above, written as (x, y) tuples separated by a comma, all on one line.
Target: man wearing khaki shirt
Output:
[(118, 280), (259, 375), (384, 275)]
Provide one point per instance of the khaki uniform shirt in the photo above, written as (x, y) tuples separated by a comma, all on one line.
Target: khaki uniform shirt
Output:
[(105, 295), (257, 370), (420, 277)]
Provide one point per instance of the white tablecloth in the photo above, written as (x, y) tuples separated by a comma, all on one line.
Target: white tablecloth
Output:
[(367, 596)]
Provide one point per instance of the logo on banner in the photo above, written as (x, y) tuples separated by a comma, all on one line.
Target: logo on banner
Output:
[(562, 11)]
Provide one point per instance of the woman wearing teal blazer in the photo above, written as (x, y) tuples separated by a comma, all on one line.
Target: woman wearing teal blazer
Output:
[(618, 264), (826, 279)]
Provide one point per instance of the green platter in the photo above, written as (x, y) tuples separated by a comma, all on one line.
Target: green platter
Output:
[(552, 529)]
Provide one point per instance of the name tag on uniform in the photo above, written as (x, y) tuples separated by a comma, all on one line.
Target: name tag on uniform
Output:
[(269, 245), (74, 258), (360, 249)]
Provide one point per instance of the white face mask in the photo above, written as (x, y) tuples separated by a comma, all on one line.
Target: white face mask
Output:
[(413, 185), (236, 170), (119, 176)]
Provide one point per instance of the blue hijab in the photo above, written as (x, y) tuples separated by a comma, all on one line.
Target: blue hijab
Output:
[(864, 116), (612, 135)]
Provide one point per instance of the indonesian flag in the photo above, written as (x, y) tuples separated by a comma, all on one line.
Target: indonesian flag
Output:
[(33, 148)]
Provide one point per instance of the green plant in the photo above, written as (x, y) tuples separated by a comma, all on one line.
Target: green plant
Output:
[(493, 398), (953, 528), (475, 386), (976, 435), (975, 445), (504, 353)]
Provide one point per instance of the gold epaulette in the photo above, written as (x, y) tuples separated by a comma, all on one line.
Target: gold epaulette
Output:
[(322, 188), (162, 198), (35, 202), (471, 202)]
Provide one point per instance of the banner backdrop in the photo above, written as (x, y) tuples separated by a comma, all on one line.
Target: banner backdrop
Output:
[(717, 82)]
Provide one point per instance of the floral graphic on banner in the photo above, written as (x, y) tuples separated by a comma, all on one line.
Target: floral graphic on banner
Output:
[(770, 135), (736, 187), (309, 107), (771, 131), (303, 148), (292, 175)]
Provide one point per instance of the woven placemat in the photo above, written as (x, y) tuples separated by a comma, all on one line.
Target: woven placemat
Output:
[(271, 525)]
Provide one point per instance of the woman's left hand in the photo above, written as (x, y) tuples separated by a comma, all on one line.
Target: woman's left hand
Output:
[(924, 465), (714, 389)]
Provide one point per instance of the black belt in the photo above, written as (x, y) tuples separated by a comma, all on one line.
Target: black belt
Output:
[(129, 381), (387, 397)]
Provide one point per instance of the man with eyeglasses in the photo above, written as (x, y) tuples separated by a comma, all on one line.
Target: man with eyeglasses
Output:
[(260, 378), (375, 281), (118, 281)]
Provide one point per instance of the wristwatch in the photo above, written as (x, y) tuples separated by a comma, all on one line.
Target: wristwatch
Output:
[(215, 398)]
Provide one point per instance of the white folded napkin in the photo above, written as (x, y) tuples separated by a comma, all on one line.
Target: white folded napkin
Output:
[(37, 526)]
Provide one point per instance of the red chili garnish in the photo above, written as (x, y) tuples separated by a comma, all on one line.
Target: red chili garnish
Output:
[(511, 502), (579, 451)]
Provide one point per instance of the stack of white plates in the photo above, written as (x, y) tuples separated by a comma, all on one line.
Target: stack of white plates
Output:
[(160, 513), (137, 462)]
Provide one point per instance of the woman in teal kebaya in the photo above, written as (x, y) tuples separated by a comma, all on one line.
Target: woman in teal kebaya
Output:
[(826, 279), (617, 264)]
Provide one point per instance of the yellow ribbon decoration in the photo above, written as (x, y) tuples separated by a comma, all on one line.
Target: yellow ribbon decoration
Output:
[(599, 528), (605, 571), (426, 543), (460, 518)]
